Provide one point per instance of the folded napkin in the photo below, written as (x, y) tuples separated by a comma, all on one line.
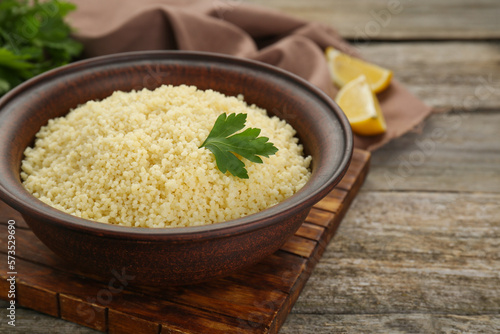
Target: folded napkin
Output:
[(234, 28)]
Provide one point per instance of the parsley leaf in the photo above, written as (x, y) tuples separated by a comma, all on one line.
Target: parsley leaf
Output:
[(34, 38), (224, 144)]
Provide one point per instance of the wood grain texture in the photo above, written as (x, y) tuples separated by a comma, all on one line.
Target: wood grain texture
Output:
[(457, 152), (29, 321), (400, 254), (458, 76), (399, 19), (401, 323), (388, 257)]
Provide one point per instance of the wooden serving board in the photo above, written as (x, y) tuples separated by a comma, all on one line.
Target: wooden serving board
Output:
[(255, 300)]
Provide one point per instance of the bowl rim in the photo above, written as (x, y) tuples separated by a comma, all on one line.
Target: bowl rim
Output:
[(231, 227)]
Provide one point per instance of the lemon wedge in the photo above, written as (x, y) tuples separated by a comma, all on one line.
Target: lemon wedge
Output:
[(361, 107), (344, 68)]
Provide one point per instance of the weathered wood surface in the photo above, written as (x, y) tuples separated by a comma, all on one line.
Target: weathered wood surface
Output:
[(414, 253), (459, 76), (362, 20), (417, 262), (456, 152), (401, 323)]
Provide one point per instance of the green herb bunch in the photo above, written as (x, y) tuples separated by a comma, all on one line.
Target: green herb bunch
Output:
[(33, 39)]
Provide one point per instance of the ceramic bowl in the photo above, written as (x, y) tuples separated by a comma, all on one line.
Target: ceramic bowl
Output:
[(158, 257)]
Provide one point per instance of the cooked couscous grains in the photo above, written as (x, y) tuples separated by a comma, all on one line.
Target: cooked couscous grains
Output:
[(133, 159)]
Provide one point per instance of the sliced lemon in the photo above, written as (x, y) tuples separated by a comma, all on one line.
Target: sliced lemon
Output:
[(361, 107), (344, 68)]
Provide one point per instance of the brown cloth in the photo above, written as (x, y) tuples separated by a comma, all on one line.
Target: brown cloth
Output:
[(238, 29)]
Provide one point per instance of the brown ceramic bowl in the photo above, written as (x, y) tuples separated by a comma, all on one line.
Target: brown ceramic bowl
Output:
[(175, 255)]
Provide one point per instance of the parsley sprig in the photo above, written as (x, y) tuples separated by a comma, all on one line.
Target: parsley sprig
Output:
[(34, 38), (224, 143)]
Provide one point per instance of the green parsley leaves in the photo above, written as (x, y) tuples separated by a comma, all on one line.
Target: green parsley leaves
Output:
[(224, 144), (33, 39)]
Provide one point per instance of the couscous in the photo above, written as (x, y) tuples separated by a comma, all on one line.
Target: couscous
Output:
[(133, 159)]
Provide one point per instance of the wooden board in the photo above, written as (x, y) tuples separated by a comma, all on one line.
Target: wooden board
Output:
[(255, 300)]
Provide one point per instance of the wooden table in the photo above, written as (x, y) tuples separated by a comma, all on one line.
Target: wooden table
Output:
[(419, 250)]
